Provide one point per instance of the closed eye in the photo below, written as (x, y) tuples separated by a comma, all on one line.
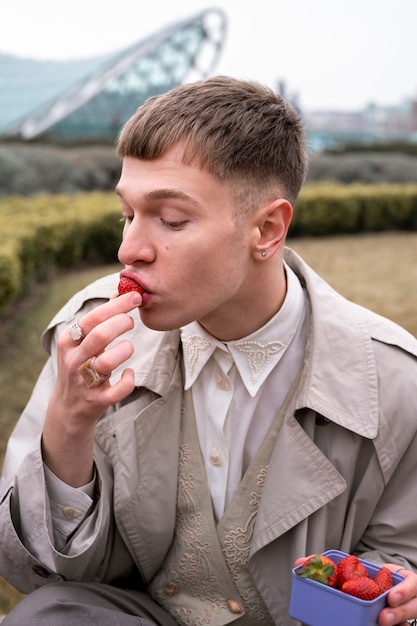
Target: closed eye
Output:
[(173, 225)]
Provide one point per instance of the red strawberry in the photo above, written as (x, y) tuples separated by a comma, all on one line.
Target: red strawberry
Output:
[(362, 587), (319, 568), (349, 567), (383, 579), (128, 284)]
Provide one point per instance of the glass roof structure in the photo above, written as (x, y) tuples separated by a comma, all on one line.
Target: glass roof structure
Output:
[(89, 100)]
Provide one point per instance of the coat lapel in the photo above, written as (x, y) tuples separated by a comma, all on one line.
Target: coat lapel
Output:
[(142, 440), (285, 501)]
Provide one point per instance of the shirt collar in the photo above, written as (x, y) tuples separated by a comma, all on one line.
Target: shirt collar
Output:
[(255, 355)]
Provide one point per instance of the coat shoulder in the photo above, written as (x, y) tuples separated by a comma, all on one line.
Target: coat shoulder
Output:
[(388, 332)]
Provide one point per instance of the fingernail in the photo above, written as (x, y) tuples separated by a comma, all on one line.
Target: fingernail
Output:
[(135, 298), (396, 599), (390, 618)]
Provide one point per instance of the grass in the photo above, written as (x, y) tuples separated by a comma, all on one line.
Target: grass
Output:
[(377, 271)]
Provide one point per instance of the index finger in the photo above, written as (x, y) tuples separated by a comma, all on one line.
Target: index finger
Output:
[(404, 590), (123, 304)]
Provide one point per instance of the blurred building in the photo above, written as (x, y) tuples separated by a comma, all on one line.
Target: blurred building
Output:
[(373, 125), (89, 100)]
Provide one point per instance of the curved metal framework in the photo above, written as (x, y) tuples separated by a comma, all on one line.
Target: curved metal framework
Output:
[(97, 107)]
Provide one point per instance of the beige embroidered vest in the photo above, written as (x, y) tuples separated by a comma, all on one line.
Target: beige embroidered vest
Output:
[(204, 578)]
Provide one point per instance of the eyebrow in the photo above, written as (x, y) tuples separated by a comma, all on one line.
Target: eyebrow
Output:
[(162, 194)]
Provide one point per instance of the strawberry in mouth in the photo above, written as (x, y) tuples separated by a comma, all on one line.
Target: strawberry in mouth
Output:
[(127, 284)]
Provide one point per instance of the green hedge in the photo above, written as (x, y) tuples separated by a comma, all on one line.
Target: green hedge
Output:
[(41, 233), (332, 209)]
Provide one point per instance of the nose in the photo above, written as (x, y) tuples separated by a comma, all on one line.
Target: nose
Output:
[(135, 246)]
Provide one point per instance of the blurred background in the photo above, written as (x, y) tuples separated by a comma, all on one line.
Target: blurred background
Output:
[(70, 77), (347, 66), (334, 55)]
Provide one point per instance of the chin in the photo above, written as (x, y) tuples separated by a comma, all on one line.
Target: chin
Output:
[(160, 324)]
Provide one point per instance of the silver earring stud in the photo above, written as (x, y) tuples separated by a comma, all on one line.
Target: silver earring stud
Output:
[(264, 253)]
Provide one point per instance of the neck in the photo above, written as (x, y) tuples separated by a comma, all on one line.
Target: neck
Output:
[(251, 310)]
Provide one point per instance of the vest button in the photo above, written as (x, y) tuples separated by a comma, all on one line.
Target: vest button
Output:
[(234, 606), (171, 589)]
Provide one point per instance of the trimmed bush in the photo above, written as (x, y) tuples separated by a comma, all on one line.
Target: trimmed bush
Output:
[(42, 233), (333, 209)]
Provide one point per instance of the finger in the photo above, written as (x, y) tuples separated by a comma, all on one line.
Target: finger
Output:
[(107, 395), (302, 560), (123, 304), (404, 591), (398, 615), (112, 358), (101, 336), (401, 600), (123, 387)]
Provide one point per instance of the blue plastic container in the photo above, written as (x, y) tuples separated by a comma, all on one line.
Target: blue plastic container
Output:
[(316, 604)]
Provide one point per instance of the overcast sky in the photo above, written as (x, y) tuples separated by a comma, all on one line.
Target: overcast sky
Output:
[(334, 54)]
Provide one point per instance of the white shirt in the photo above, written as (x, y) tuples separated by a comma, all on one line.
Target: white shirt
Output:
[(237, 388)]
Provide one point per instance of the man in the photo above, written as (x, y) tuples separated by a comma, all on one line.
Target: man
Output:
[(252, 416)]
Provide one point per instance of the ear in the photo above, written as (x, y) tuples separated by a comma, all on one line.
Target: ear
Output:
[(273, 221)]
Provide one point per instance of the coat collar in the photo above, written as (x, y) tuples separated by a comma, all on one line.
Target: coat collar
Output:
[(341, 381)]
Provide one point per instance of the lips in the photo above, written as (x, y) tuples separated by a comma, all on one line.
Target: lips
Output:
[(127, 284)]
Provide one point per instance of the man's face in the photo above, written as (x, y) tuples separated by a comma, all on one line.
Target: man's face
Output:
[(182, 244)]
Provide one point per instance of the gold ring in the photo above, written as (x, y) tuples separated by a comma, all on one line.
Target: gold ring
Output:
[(92, 377)]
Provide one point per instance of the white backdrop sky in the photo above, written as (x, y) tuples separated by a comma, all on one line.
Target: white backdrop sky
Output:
[(334, 54)]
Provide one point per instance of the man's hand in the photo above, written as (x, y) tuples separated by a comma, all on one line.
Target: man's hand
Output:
[(402, 600), (74, 409)]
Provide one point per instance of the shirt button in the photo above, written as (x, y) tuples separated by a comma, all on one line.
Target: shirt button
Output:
[(222, 382), (71, 513), (215, 458)]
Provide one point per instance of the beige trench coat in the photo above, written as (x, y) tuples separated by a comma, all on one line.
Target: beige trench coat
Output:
[(343, 473)]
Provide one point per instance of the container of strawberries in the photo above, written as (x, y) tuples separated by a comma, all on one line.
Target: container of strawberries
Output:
[(338, 588)]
